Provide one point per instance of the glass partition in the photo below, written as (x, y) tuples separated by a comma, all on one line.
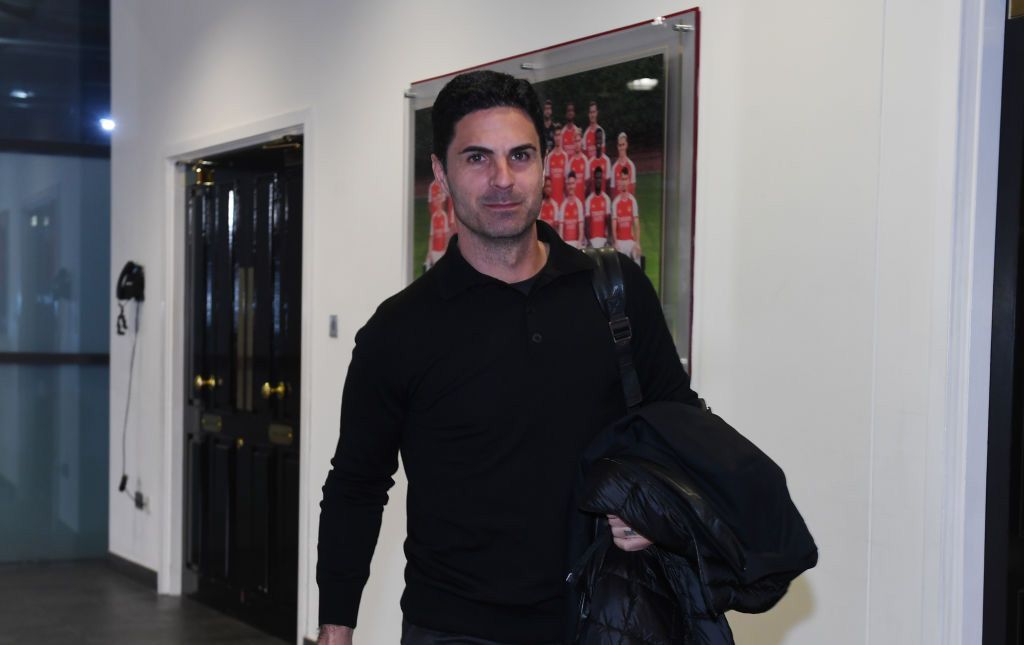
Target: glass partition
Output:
[(54, 338)]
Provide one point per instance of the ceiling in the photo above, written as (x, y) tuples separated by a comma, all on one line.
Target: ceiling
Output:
[(54, 72)]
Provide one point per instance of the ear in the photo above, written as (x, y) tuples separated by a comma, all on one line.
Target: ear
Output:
[(439, 173)]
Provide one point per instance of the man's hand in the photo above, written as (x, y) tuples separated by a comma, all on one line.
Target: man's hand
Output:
[(626, 538), (335, 635)]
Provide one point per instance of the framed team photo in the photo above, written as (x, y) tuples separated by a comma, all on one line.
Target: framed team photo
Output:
[(619, 153)]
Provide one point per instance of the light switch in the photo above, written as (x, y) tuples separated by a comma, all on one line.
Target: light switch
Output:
[(332, 327)]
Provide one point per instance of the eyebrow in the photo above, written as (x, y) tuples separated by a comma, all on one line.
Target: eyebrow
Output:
[(482, 149)]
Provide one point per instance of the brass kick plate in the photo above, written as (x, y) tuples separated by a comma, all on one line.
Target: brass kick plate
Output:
[(211, 423), (1016, 8), (280, 434)]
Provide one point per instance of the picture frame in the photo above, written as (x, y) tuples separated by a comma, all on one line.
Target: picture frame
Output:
[(641, 80)]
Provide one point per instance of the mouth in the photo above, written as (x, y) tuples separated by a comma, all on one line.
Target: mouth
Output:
[(502, 206)]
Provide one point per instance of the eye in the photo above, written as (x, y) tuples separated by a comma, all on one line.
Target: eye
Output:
[(475, 158), (522, 155)]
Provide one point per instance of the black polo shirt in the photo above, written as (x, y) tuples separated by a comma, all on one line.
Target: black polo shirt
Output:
[(489, 394)]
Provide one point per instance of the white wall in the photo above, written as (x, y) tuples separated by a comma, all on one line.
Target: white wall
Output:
[(826, 202)]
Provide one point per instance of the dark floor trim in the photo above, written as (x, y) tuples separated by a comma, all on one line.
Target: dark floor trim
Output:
[(136, 572)]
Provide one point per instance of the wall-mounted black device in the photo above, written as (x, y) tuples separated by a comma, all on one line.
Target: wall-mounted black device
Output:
[(131, 284)]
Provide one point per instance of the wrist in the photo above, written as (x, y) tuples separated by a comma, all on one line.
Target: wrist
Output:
[(335, 635)]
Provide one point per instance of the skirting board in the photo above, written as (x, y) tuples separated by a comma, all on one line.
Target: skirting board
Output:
[(136, 572)]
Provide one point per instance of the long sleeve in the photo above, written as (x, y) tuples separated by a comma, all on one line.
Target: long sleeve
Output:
[(372, 416), (662, 377)]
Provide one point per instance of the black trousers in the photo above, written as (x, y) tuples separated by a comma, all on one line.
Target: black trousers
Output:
[(414, 635)]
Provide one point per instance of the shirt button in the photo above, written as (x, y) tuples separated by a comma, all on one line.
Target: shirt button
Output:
[(536, 337)]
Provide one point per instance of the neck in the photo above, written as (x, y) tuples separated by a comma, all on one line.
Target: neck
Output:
[(508, 259)]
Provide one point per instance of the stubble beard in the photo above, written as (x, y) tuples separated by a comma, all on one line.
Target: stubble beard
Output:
[(495, 240)]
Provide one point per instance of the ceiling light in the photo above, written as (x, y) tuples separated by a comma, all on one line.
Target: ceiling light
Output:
[(107, 124), (642, 84), (21, 94)]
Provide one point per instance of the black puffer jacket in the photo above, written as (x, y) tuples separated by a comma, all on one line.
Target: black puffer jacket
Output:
[(727, 535)]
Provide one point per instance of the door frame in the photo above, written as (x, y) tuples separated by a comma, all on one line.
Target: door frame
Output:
[(172, 489), (961, 542), (1006, 325)]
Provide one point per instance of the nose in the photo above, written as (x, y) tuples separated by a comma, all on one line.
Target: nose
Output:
[(502, 176)]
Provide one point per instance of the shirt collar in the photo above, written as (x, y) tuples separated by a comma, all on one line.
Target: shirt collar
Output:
[(455, 275)]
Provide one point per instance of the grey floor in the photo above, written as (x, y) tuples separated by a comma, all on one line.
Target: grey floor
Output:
[(91, 603)]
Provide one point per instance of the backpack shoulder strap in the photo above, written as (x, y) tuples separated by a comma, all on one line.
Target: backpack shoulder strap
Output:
[(610, 290)]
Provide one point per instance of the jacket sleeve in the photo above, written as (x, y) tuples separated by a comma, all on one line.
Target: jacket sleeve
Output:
[(662, 377), (372, 415)]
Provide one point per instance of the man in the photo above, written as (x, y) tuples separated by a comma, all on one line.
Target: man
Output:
[(623, 161), (572, 214), (599, 160), (626, 220), (580, 166), (549, 128), (550, 213), (597, 209), (440, 226), (555, 165), (489, 374), (439, 236), (570, 131), (592, 131), (437, 199)]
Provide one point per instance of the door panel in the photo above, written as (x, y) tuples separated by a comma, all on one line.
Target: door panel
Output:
[(194, 513), (285, 570), (263, 483), (244, 260)]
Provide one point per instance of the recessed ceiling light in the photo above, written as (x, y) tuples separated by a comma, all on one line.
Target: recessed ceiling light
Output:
[(642, 84), (21, 94), (107, 124)]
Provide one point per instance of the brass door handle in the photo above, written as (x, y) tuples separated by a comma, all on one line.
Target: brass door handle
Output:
[(266, 391), (200, 382)]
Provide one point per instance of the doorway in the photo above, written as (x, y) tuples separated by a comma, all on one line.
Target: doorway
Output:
[(243, 272)]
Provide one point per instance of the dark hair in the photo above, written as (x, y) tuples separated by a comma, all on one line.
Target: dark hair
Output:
[(480, 90)]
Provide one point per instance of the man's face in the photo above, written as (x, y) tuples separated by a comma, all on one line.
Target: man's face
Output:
[(623, 146), (570, 113), (592, 114), (547, 188), (591, 151), (494, 173), (570, 185), (598, 176), (547, 111)]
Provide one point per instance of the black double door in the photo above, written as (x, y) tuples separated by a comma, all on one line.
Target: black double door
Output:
[(244, 231)]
